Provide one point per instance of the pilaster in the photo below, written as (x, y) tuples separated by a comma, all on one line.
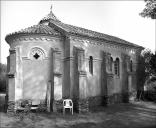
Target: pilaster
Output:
[(107, 77), (19, 75), (126, 77), (80, 87), (68, 69), (57, 78), (15, 80), (11, 75)]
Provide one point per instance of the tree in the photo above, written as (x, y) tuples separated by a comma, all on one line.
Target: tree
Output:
[(146, 70), (149, 60), (3, 70), (152, 64), (150, 9), (147, 56)]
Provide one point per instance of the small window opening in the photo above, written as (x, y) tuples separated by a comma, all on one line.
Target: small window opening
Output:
[(131, 66), (116, 66), (36, 56), (91, 65), (111, 64)]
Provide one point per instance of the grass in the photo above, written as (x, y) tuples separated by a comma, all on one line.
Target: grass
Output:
[(131, 115)]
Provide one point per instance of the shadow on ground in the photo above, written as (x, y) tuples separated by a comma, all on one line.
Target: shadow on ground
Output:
[(131, 115)]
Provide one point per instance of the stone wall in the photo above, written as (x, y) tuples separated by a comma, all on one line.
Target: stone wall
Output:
[(103, 86), (69, 71), (81, 105), (96, 101), (11, 107), (96, 82), (28, 75), (115, 98), (58, 106)]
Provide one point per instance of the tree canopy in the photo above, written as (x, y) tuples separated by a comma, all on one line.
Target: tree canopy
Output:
[(150, 62), (149, 10), (146, 70)]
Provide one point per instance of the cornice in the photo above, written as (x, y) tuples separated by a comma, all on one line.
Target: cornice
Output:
[(100, 41), (28, 58), (33, 37), (105, 43), (12, 51)]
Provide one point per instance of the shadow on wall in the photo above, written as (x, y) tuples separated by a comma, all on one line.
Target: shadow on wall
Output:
[(2, 102), (35, 79)]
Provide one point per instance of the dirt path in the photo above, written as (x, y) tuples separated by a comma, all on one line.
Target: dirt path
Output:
[(132, 115)]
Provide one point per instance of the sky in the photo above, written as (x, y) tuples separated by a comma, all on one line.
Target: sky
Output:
[(116, 18)]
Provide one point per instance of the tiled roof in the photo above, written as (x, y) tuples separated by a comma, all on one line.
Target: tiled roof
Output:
[(82, 31), (41, 28), (36, 29), (85, 32)]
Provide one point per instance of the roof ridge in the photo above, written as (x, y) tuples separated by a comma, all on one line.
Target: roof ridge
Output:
[(90, 33)]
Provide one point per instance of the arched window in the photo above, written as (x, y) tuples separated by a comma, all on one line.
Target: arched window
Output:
[(111, 64), (131, 66), (116, 67), (91, 64)]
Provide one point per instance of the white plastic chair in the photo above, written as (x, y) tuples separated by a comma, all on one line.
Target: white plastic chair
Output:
[(67, 103)]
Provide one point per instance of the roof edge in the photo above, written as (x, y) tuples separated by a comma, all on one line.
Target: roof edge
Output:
[(10, 37), (78, 34)]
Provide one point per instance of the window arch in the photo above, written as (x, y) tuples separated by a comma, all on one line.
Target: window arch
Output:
[(116, 67), (131, 66), (37, 53), (91, 65)]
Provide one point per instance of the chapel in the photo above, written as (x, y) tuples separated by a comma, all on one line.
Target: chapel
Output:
[(52, 61)]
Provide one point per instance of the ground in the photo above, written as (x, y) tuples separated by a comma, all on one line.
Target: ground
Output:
[(131, 115)]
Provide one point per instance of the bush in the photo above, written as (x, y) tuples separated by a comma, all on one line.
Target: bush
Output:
[(150, 95)]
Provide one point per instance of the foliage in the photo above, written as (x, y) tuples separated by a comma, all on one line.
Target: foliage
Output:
[(146, 58), (25, 111), (146, 67), (146, 71), (3, 71), (152, 64), (150, 9), (150, 95), (141, 74), (151, 79), (42, 108)]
